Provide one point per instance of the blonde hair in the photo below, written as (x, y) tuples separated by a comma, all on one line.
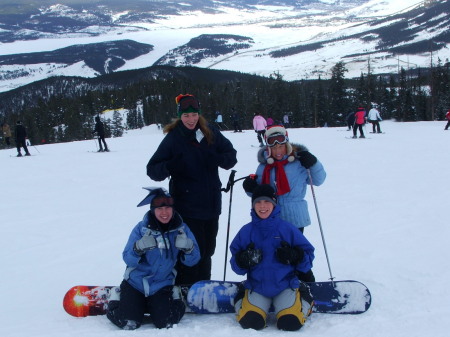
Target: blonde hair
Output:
[(203, 125)]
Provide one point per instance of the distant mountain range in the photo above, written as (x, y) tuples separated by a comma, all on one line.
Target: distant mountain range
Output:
[(297, 39)]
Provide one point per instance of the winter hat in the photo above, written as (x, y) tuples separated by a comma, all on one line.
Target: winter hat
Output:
[(264, 192), (187, 103), (278, 130), (157, 197)]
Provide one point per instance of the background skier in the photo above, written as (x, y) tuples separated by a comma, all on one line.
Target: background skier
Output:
[(20, 135), (100, 130)]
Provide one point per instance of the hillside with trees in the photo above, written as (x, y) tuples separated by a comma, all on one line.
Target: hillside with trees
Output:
[(61, 109)]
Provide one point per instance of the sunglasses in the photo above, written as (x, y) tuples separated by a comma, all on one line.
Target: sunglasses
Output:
[(276, 139), (188, 102), (162, 201)]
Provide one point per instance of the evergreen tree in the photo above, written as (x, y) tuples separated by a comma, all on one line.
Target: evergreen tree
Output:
[(406, 110), (338, 94), (441, 89), (132, 120), (116, 125), (390, 103)]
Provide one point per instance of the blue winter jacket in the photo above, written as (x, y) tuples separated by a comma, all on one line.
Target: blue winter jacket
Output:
[(270, 276), (294, 207), (194, 184), (155, 269)]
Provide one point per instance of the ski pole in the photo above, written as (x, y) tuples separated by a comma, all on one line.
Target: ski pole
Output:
[(228, 188), (320, 225), (232, 182), (95, 141), (36, 149)]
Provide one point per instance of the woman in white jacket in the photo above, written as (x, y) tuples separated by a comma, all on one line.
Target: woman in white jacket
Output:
[(374, 118)]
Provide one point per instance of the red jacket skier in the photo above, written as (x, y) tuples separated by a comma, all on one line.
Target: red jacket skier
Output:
[(360, 120)]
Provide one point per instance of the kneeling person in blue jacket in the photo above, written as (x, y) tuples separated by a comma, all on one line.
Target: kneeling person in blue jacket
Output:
[(270, 251), (153, 248)]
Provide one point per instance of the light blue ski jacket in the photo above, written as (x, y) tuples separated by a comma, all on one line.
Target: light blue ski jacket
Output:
[(155, 269), (294, 207)]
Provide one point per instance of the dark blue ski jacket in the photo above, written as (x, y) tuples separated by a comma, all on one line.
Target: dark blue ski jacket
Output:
[(194, 170), (270, 277)]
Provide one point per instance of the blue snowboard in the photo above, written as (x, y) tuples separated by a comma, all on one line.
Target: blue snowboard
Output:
[(338, 297)]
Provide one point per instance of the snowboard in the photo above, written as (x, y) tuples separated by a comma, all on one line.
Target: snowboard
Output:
[(215, 297), (83, 301), (338, 297)]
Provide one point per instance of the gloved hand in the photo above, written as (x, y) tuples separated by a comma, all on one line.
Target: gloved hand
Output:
[(175, 164), (183, 243), (248, 258), (289, 255), (144, 244), (250, 183), (307, 159)]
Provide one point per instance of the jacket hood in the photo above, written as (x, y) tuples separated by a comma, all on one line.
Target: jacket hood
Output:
[(154, 224)]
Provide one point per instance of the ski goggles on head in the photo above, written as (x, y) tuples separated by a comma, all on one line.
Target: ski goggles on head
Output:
[(188, 103), (162, 201), (276, 139)]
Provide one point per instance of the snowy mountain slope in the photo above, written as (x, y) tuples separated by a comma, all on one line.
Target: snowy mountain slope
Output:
[(67, 213), (103, 57), (296, 39)]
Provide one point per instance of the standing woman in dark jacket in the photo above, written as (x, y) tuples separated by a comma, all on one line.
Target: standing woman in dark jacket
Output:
[(191, 154)]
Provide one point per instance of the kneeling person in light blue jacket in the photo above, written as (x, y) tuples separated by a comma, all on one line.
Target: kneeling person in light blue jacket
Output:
[(270, 251), (155, 245)]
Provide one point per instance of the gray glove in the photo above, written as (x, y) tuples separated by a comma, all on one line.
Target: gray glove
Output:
[(183, 243), (144, 244)]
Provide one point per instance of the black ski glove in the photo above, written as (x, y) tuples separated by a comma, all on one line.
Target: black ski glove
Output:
[(289, 255), (307, 159), (250, 183), (248, 258)]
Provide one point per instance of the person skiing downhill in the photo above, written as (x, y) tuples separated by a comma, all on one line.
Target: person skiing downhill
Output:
[(259, 125), (100, 130), (360, 120), (374, 118), (20, 136)]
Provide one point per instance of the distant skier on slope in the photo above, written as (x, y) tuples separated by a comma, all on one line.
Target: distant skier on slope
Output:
[(100, 130)]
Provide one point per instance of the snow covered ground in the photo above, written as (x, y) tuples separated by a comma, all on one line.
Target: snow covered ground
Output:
[(66, 214)]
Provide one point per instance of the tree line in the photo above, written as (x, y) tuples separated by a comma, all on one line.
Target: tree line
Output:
[(63, 109)]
